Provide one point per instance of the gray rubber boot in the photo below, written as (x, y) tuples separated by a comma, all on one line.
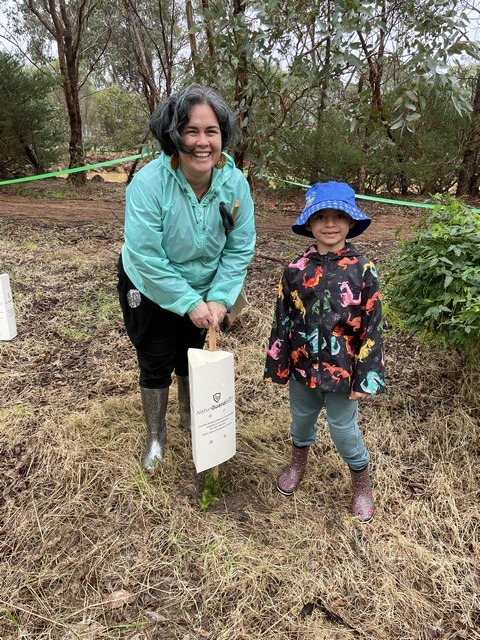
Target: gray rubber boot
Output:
[(154, 402), (362, 500), (288, 481), (183, 387)]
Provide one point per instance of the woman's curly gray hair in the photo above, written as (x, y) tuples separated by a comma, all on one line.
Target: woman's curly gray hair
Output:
[(172, 116)]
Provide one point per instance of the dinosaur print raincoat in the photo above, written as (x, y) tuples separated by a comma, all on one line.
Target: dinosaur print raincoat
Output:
[(327, 326)]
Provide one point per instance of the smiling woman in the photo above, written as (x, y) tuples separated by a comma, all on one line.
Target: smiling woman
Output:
[(180, 270)]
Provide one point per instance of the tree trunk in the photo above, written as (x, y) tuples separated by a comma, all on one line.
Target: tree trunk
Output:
[(193, 42), (75, 147), (33, 159), (467, 176), (212, 52), (67, 27), (133, 168), (143, 59)]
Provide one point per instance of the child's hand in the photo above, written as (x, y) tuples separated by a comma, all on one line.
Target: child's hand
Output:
[(358, 395)]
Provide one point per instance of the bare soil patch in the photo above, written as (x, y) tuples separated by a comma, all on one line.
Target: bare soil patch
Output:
[(99, 203)]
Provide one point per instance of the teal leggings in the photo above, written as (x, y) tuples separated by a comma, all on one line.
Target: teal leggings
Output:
[(305, 407)]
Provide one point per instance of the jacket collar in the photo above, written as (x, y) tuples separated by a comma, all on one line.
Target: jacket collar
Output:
[(348, 251)]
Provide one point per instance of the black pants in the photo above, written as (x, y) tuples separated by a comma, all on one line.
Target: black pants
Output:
[(161, 338)]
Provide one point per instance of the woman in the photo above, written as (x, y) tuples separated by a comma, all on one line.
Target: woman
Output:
[(181, 265)]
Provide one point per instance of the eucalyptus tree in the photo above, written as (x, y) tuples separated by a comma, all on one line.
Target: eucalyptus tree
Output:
[(361, 51), (148, 50), (54, 30), (406, 47), (144, 47), (284, 63), (205, 50), (279, 64), (469, 173), (269, 58)]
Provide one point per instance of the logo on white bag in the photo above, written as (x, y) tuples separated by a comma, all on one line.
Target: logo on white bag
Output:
[(216, 404)]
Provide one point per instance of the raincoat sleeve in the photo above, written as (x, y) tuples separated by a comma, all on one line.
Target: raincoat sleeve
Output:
[(369, 374), (238, 251), (277, 365), (145, 259)]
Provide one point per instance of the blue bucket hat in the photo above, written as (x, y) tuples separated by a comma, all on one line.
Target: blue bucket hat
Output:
[(331, 195)]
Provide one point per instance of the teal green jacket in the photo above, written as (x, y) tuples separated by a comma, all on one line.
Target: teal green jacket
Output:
[(176, 251)]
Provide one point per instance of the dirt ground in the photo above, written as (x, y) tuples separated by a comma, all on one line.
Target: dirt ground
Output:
[(70, 210), (275, 214)]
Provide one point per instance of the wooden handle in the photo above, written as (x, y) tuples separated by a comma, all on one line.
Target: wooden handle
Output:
[(212, 339)]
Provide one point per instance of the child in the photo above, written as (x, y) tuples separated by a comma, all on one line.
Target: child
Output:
[(326, 337)]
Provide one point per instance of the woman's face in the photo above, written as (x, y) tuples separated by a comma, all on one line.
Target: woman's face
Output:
[(203, 138)]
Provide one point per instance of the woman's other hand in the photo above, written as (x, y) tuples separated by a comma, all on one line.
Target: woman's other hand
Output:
[(218, 311), (202, 316)]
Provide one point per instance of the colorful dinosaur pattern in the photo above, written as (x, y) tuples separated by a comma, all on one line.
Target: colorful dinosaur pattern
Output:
[(348, 299), (372, 382), (327, 327)]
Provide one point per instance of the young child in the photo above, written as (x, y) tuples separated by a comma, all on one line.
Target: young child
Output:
[(326, 338)]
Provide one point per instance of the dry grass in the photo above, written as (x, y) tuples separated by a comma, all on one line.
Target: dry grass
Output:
[(92, 548)]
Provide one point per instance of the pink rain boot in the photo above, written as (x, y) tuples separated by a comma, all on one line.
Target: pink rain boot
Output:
[(362, 502), (287, 482)]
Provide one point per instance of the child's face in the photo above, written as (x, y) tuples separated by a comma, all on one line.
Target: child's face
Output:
[(330, 228)]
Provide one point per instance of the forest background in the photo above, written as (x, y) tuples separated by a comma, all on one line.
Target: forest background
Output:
[(385, 95)]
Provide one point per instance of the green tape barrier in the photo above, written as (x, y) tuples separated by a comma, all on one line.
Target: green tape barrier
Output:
[(424, 205), (107, 163), (78, 169)]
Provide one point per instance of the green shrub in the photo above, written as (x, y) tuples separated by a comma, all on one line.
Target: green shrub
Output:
[(31, 126), (324, 151), (433, 280)]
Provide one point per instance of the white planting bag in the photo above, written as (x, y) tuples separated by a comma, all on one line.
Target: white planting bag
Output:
[(212, 407), (8, 324)]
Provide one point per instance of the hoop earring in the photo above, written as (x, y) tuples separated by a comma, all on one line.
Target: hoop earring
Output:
[(175, 162), (221, 162)]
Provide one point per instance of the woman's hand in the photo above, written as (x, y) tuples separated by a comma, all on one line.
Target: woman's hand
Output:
[(218, 311), (201, 316)]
